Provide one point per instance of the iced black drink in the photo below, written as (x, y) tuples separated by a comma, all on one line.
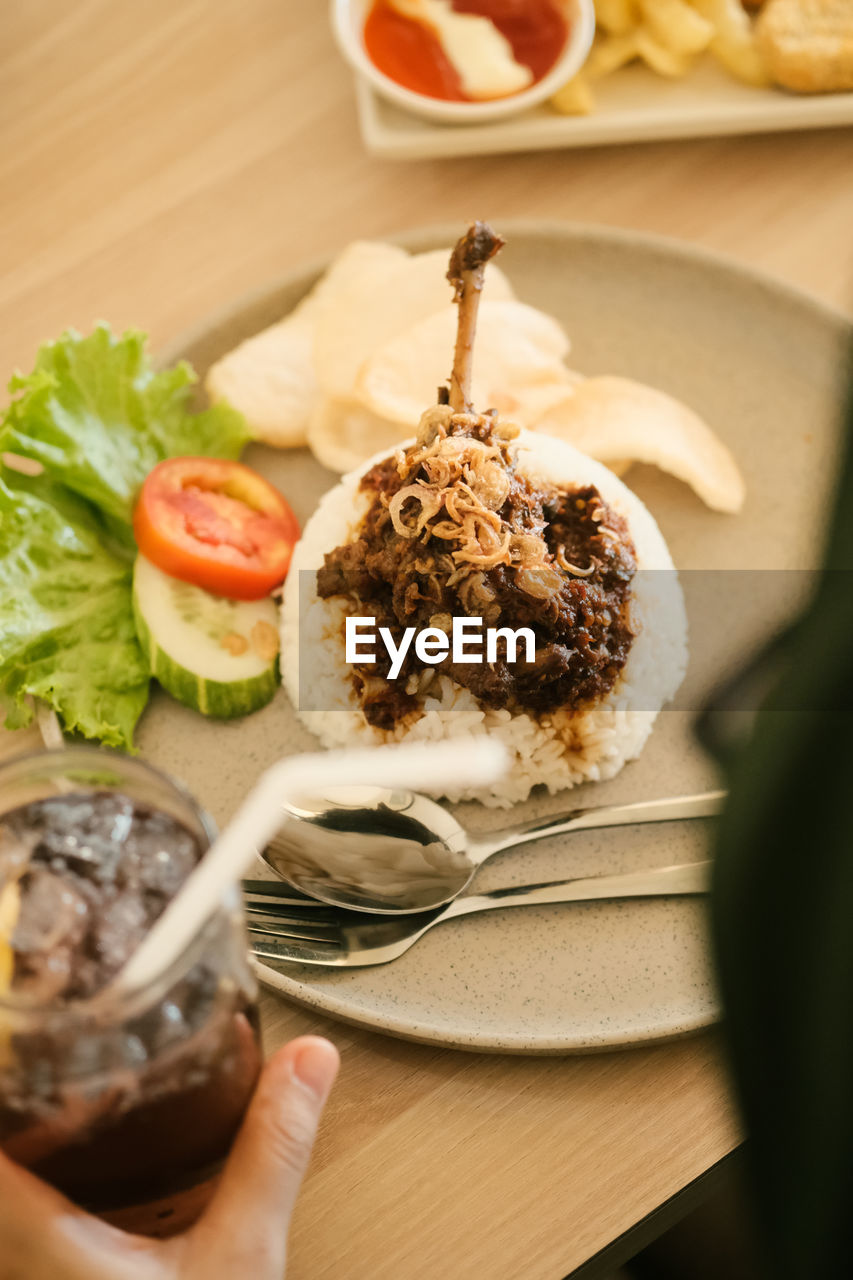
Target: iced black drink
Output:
[(129, 1107)]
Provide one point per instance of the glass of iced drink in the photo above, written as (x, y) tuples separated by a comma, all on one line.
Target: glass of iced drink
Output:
[(127, 1106)]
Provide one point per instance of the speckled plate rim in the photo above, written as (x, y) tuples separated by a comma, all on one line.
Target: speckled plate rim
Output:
[(667, 249), (472, 1041)]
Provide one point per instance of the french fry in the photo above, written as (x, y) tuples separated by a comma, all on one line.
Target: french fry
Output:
[(667, 35), (744, 62), (609, 53), (734, 44), (660, 57), (676, 26), (616, 16), (575, 98)]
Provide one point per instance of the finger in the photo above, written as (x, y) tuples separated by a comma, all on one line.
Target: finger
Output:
[(245, 1228)]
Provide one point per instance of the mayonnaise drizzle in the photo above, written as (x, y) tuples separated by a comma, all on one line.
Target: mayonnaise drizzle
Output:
[(481, 56)]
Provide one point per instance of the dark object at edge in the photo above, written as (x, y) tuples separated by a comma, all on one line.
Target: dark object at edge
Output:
[(783, 929)]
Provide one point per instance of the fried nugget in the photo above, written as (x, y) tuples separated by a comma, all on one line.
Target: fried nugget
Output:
[(808, 44)]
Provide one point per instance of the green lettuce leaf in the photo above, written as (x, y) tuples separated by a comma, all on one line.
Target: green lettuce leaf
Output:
[(66, 624), (98, 417)]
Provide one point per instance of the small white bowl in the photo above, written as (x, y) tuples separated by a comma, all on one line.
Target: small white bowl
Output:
[(348, 18)]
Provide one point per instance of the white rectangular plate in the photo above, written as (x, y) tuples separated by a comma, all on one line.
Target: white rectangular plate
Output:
[(632, 105)]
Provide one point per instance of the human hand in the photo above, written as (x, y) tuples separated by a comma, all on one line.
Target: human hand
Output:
[(242, 1233)]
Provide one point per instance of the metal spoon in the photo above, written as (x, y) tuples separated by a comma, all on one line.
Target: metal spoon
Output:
[(392, 851)]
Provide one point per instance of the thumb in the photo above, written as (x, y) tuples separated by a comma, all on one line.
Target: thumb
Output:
[(244, 1232)]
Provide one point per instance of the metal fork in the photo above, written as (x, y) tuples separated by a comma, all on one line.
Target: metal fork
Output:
[(285, 925)]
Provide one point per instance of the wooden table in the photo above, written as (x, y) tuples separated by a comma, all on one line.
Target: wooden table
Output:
[(160, 160)]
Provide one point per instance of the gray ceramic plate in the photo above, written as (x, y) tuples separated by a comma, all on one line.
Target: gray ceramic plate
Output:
[(763, 365)]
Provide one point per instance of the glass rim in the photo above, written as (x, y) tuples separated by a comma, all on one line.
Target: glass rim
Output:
[(101, 1006)]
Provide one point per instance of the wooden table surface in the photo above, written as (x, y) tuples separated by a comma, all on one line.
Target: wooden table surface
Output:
[(159, 161)]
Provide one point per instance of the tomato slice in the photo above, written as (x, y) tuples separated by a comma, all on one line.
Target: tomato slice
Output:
[(217, 524)]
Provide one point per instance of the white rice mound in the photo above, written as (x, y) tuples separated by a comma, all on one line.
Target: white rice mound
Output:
[(557, 750)]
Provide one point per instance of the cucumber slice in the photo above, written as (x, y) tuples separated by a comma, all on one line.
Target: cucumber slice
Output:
[(213, 654)]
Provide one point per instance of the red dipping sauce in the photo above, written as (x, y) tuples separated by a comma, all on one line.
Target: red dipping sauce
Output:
[(411, 53)]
